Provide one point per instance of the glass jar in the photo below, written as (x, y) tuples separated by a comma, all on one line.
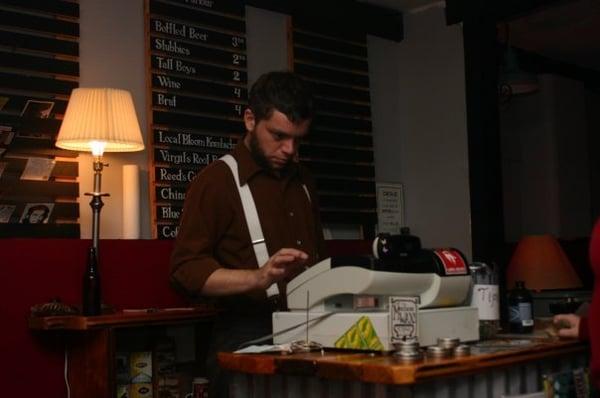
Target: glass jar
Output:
[(485, 296)]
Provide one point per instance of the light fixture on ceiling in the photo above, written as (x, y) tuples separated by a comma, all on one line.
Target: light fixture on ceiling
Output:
[(512, 80), (515, 79)]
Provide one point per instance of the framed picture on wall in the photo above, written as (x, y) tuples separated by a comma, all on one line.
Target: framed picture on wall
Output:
[(6, 211), (36, 213), (37, 109)]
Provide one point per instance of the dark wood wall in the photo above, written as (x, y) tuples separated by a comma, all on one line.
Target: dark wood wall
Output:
[(39, 66)]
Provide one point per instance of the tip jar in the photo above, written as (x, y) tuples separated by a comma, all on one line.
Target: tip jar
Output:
[(485, 296)]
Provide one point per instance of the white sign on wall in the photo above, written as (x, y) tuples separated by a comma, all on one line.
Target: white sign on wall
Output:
[(390, 207)]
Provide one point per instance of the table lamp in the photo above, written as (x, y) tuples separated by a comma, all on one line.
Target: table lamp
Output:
[(99, 120), (541, 263)]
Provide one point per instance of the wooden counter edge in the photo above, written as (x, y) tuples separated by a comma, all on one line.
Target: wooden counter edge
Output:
[(384, 369), (283, 363), (384, 372), (248, 363), (121, 319)]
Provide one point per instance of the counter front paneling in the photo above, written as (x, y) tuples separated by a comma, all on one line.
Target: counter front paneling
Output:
[(494, 368)]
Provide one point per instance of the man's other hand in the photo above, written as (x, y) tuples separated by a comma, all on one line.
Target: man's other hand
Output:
[(567, 325)]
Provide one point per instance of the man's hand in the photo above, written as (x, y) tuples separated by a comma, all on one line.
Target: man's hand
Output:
[(282, 265), (567, 325)]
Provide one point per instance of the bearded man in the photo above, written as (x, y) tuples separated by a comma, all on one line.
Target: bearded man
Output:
[(251, 221)]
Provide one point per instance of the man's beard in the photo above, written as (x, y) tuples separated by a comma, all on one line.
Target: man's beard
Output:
[(261, 159)]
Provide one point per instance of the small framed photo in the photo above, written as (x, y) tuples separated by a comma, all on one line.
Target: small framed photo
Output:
[(5, 212), (36, 213), (37, 109), (6, 135), (3, 102), (38, 169)]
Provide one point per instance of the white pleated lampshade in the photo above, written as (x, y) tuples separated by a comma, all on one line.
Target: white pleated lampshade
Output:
[(100, 115)]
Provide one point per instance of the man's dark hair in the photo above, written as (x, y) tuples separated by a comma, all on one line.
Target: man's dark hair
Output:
[(284, 91)]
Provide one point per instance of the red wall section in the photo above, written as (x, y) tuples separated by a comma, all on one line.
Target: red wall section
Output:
[(134, 274)]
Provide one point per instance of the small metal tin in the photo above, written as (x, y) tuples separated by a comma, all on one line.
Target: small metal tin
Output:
[(437, 351), (448, 342), (408, 350), (409, 356), (462, 350), (408, 344)]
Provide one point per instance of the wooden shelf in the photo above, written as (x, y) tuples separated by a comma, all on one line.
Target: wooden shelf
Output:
[(126, 318), (92, 341)]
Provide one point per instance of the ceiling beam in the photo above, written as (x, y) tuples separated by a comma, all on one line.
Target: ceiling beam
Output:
[(348, 15), (496, 10)]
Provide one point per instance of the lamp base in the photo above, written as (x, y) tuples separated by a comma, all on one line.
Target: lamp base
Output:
[(91, 292)]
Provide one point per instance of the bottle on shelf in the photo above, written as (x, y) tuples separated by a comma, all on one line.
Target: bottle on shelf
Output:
[(520, 309), (91, 293)]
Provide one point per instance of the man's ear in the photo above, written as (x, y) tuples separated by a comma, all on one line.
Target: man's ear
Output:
[(249, 120)]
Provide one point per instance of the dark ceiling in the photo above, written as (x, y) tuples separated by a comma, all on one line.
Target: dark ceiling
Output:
[(568, 32)]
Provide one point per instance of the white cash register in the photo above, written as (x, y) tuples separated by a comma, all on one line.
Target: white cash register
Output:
[(345, 302)]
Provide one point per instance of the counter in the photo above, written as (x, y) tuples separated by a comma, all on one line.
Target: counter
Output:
[(495, 367)]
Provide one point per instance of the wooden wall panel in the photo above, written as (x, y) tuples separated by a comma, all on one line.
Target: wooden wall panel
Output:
[(39, 67), (339, 150)]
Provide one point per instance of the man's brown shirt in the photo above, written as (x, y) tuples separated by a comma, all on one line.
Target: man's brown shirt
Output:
[(213, 231)]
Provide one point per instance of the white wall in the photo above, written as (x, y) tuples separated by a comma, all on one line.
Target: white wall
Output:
[(112, 55), (420, 127), (266, 33)]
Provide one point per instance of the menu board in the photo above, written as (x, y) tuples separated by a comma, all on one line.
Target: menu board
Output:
[(197, 86)]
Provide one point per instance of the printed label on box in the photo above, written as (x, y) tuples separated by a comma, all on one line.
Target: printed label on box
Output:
[(140, 367), (140, 390)]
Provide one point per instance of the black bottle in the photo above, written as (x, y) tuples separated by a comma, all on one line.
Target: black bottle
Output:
[(91, 295), (520, 309)]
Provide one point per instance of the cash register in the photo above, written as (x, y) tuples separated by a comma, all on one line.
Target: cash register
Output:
[(349, 302)]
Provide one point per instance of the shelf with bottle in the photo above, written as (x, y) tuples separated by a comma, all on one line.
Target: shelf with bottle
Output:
[(123, 318)]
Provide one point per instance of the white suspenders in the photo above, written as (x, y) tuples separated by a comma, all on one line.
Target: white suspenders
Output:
[(256, 234), (252, 220)]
